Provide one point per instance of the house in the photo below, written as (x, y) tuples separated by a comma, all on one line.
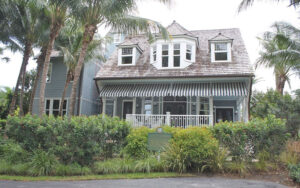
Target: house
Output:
[(195, 78), (87, 100)]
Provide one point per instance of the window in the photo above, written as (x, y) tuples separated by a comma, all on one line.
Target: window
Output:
[(221, 52), (109, 107), (52, 107), (154, 53), (204, 106), (126, 56), (148, 105), (117, 38), (49, 73), (165, 55), (176, 54), (188, 52)]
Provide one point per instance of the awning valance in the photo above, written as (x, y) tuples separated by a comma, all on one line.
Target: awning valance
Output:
[(175, 89)]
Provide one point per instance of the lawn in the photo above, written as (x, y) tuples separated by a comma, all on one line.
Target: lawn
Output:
[(95, 177)]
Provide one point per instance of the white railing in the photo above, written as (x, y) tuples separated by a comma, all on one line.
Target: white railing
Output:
[(153, 121)]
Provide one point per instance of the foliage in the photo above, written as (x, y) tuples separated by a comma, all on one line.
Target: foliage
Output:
[(190, 149), (245, 140), (149, 164), (43, 163), (78, 140), (294, 172), (239, 167), (263, 163), (113, 166), (137, 142), (12, 152), (71, 170), (282, 106), (5, 100)]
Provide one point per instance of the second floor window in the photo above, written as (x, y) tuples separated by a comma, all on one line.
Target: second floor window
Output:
[(221, 52), (188, 52), (165, 55), (176, 54), (48, 80), (126, 56)]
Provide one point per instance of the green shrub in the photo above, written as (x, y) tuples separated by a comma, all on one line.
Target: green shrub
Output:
[(43, 163), (190, 149), (2, 124), (137, 143), (12, 152), (113, 166), (239, 167), (245, 140), (71, 170), (294, 172), (78, 140), (149, 164)]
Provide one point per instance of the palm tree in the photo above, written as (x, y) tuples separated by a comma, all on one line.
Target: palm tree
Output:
[(281, 51), (69, 44), (94, 13), (21, 33), (247, 3), (57, 11)]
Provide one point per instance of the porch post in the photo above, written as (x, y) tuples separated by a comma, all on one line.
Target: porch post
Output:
[(115, 106), (211, 110), (168, 119), (246, 116), (104, 105), (134, 105)]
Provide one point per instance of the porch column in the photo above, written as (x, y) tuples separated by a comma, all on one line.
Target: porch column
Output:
[(115, 107), (134, 106), (211, 110), (103, 105), (246, 118)]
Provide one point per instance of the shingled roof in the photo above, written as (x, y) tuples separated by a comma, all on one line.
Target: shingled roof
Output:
[(203, 67)]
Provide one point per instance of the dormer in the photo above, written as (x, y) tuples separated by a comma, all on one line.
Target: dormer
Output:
[(128, 54), (220, 48), (178, 52)]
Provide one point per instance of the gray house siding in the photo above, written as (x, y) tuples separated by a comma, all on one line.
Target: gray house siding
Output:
[(89, 100)]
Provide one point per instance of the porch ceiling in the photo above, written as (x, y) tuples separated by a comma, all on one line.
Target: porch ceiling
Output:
[(176, 89)]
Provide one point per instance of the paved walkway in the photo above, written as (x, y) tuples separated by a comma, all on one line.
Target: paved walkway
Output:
[(201, 182)]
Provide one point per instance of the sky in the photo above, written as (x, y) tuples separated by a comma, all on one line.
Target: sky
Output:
[(203, 14)]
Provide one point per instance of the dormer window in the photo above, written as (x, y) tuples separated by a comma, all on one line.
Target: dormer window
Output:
[(176, 55), (127, 56), (165, 55), (221, 52), (188, 55)]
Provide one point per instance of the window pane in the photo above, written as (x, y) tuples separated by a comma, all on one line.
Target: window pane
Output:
[(176, 46), (48, 104), (65, 105), (165, 47), (164, 52), (126, 51), (221, 56), (127, 60), (165, 61), (148, 107), (55, 113), (176, 61), (55, 105), (189, 48), (221, 47), (188, 56)]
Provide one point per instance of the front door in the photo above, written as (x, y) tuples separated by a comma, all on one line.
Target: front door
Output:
[(224, 114), (127, 108)]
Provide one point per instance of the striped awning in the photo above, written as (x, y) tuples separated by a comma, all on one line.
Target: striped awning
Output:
[(175, 89)]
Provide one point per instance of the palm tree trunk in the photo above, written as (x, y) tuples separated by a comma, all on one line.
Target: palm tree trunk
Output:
[(26, 57), (87, 38), (64, 93), (55, 28), (280, 82), (39, 62), (12, 106)]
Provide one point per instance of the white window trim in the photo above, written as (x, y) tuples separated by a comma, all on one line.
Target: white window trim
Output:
[(228, 52), (177, 55), (169, 56), (154, 61), (51, 105), (50, 75), (133, 55)]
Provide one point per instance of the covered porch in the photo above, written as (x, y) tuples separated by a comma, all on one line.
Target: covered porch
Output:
[(176, 104)]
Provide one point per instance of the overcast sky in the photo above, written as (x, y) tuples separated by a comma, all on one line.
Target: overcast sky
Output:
[(203, 14)]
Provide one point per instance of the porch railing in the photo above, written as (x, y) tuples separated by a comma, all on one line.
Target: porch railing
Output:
[(184, 121)]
